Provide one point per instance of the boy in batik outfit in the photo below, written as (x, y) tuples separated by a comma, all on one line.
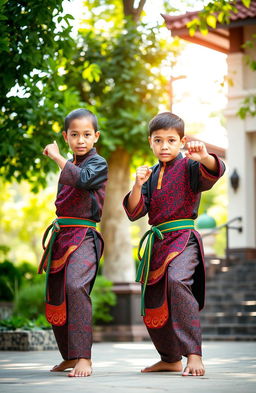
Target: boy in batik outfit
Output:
[(72, 255), (172, 269)]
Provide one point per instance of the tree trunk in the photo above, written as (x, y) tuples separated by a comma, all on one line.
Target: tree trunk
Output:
[(129, 10), (118, 262)]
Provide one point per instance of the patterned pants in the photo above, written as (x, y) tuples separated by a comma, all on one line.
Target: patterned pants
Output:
[(181, 335), (74, 339)]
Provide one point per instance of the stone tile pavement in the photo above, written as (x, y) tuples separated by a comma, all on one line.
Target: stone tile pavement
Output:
[(231, 368)]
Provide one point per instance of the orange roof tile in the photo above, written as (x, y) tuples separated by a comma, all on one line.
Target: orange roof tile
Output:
[(178, 22)]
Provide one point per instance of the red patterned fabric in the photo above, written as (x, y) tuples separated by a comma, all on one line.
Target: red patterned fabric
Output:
[(180, 335), (178, 198), (56, 315), (178, 259), (75, 255)]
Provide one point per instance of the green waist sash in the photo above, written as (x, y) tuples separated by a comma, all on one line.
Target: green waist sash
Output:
[(55, 227), (155, 231)]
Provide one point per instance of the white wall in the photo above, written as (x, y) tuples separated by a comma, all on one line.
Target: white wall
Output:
[(242, 147)]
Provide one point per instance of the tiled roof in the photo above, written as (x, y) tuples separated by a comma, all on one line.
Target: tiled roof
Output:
[(179, 21)]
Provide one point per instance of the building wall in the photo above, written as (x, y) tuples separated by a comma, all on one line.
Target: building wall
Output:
[(241, 154)]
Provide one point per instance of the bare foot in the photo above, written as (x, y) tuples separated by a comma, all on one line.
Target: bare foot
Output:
[(83, 368), (194, 366), (163, 366), (64, 365)]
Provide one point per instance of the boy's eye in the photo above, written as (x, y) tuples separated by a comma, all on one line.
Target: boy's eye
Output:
[(171, 140), (73, 134), (157, 140)]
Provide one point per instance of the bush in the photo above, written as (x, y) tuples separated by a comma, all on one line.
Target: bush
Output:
[(20, 322), (13, 277), (29, 274), (29, 301), (10, 279), (102, 299)]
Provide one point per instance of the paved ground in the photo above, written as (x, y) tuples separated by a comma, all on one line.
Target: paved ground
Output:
[(231, 368)]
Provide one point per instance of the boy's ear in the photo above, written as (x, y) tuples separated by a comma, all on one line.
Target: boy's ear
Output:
[(64, 134), (97, 135), (149, 140), (183, 140)]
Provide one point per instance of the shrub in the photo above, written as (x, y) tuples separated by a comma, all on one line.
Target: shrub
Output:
[(29, 274), (102, 299), (29, 301), (20, 322), (10, 279)]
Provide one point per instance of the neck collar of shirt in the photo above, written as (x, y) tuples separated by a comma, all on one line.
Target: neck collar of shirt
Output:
[(170, 163), (78, 159)]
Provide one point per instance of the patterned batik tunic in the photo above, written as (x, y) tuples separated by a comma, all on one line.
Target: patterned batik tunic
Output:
[(173, 192), (76, 253)]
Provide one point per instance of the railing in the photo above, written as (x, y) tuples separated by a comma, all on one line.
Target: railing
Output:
[(227, 226)]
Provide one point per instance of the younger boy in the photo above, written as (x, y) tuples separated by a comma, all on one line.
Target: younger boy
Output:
[(72, 255), (172, 270)]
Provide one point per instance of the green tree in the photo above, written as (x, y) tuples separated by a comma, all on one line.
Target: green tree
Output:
[(113, 68), (116, 70), (34, 42), (218, 11), (24, 216)]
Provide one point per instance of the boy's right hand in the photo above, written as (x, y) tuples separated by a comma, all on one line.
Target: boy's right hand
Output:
[(51, 150), (142, 175)]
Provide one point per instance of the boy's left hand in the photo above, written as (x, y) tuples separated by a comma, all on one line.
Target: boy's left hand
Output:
[(196, 151)]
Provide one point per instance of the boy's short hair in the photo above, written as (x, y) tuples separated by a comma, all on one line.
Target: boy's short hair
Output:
[(77, 114), (166, 120)]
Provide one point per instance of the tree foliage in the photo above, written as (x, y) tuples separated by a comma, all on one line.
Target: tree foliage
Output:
[(121, 78), (219, 11), (216, 11), (112, 68), (34, 41)]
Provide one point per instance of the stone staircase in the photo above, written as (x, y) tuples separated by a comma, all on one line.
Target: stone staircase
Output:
[(230, 310)]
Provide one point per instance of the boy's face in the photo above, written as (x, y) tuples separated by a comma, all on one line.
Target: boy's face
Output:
[(81, 135), (166, 144)]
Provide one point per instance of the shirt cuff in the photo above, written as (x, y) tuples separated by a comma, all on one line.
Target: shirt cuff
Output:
[(137, 209), (69, 175), (212, 174)]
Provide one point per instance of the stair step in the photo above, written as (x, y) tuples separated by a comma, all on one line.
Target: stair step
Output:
[(230, 310), (219, 318), (235, 298), (222, 286), (229, 329), (235, 337)]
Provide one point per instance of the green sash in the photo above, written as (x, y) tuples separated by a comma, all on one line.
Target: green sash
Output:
[(57, 224), (144, 265)]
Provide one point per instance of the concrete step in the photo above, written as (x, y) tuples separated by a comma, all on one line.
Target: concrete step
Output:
[(235, 296), (239, 271), (222, 286), (224, 337), (235, 318), (229, 329), (231, 279), (230, 307)]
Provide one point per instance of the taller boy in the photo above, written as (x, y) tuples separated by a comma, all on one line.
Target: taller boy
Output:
[(172, 270)]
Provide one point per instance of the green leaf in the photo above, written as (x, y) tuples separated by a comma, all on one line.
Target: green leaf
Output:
[(246, 3), (211, 21)]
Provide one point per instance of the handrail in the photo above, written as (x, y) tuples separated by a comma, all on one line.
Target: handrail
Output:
[(227, 226), (216, 229)]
